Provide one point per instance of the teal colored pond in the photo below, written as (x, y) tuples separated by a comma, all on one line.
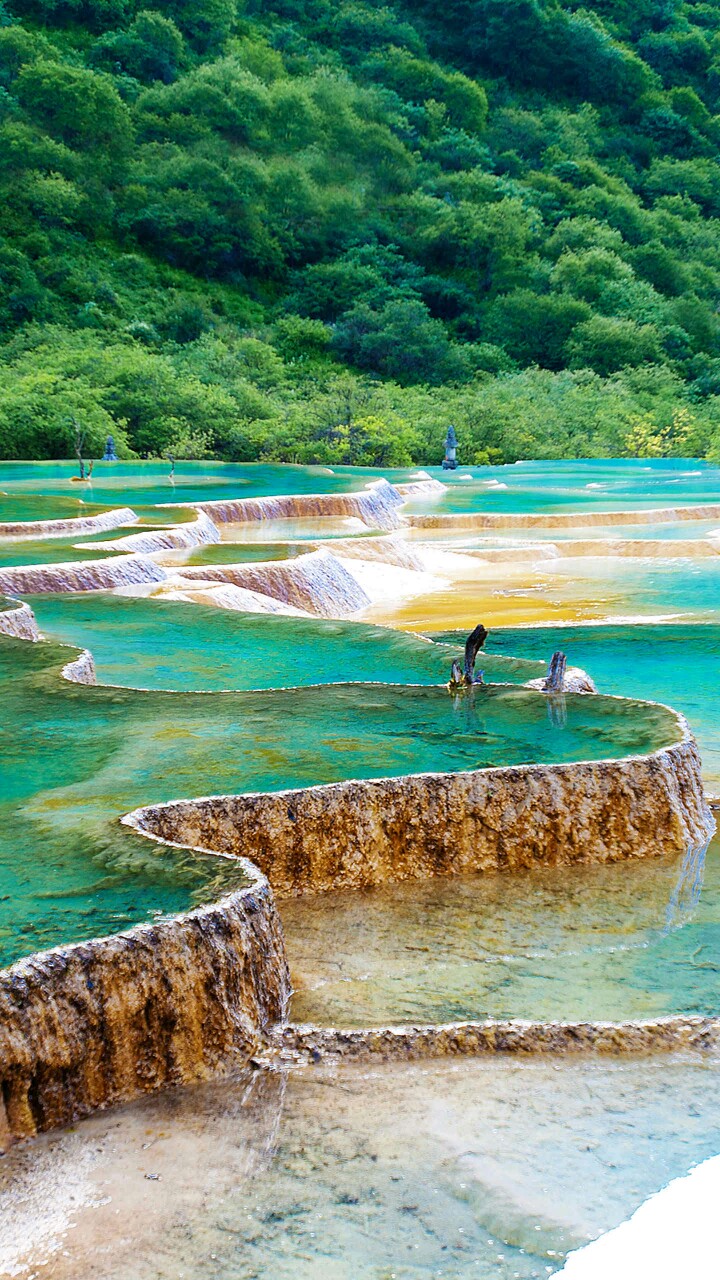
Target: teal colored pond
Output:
[(678, 664), (148, 483), (615, 484), (609, 485), (165, 644), (690, 589), (73, 759)]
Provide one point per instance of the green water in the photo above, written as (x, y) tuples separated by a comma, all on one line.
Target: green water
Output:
[(18, 503), (165, 644), (70, 550), (73, 759)]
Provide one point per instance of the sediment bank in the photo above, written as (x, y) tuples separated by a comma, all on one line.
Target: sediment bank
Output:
[(187, 997)]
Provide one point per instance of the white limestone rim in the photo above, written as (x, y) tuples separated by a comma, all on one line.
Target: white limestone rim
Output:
[(39, 530), (19, 612), (562, 520), (11, 576), (188, 535)]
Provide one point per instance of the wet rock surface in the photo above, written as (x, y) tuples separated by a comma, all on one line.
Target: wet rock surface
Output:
[(369, 832), (169, 1003), (81, 575)]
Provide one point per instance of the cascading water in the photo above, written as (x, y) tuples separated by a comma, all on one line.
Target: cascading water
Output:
[(318, 583), (377, 507), (80, 575)]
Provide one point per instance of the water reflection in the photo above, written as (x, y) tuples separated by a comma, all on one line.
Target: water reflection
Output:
[(629, 940)]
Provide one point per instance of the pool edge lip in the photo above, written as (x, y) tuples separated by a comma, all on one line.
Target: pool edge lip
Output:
[(306, 1044)]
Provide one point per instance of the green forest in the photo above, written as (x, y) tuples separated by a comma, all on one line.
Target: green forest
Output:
[(321, 230)]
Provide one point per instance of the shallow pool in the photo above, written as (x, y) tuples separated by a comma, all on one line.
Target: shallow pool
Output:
[(74, 758), (465, 1170), (630, 940)]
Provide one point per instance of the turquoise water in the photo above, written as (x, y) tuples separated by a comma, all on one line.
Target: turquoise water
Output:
[(164, 644), (611, 485), (687, 588), (678, 664), (73, 759), (146, 483), (531, 486)]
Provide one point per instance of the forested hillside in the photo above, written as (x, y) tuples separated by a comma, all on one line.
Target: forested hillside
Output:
[(311, 230)]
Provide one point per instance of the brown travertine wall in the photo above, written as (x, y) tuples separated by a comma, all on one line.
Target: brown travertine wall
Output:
[(358, 834), (166, 1003)]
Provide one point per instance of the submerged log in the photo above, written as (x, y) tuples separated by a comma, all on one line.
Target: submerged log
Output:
[(561, 678)]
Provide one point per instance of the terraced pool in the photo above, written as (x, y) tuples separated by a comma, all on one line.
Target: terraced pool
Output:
[(437, 1168)]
